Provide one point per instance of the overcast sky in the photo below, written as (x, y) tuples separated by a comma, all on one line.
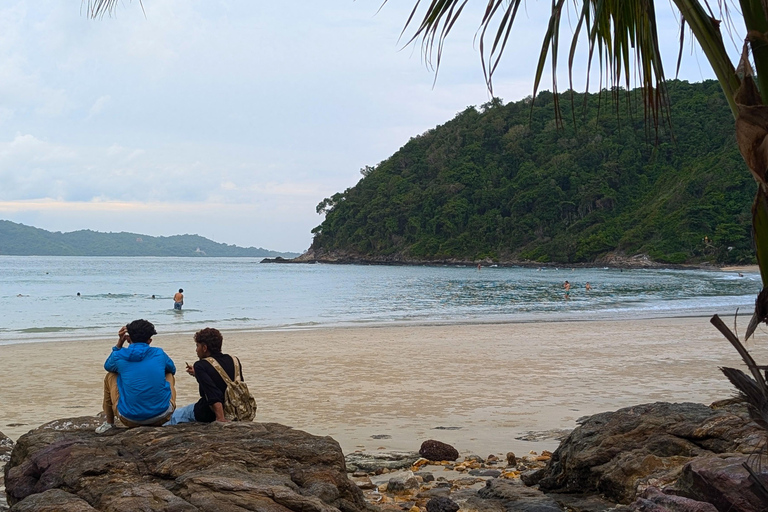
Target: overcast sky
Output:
[(228, 119)]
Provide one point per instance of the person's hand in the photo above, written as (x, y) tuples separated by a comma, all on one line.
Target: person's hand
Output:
[(190, 369), (123, 336)]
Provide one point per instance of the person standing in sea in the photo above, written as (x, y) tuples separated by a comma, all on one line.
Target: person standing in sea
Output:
[(178, 299), (567, 287)]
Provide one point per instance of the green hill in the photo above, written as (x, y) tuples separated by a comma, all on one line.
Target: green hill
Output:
[(504, 183), (21, 240)]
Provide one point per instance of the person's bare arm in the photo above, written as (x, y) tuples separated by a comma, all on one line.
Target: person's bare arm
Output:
[(218, 410)]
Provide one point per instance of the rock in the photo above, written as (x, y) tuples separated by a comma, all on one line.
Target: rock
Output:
[(377, 462), (402, 483), (434, 492), (474, 458), (617, 453), (492, 458), (511, 496), (723, 481), (364, 482), (442, 504), (183, 468), (494, 473), (653, 500), (53, 500), (511, 459), (6, 447), (426, 476), (435, 450), (533, 476)]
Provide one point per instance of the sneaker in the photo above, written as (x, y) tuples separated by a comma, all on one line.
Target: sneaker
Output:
[(103, 427)]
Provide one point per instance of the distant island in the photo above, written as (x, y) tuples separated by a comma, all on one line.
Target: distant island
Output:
[(21, 240), (513, 183)]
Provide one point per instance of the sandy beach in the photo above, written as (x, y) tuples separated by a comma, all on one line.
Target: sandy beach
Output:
[(478, 387)]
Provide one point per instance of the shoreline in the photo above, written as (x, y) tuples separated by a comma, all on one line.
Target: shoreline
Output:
[(475, 386), (578, 317)]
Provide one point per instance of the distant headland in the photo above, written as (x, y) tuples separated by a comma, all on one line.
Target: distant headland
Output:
[(21, 240)]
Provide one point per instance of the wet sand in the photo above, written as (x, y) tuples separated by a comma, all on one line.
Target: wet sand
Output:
[(477, 386)]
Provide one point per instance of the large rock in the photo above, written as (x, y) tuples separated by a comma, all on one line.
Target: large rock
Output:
[(192, 467), (619, 454)]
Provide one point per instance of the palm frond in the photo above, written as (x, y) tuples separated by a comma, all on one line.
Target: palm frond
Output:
[(752, 393), (621, 36), (101, 8)]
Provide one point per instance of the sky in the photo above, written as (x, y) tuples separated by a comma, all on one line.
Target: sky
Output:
[(232, 119)]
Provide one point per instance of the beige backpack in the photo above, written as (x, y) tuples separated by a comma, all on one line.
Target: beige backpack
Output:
[(239, 404)]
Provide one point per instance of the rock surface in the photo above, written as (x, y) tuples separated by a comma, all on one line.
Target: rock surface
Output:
[(620, 454), (6, 447), (653, 500), (194, 467), (363, 461), (436, 450)]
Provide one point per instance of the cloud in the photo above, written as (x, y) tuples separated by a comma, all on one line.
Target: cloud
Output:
[(99, 105)]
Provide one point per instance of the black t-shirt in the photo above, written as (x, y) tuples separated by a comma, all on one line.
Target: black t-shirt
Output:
[(212, 386)]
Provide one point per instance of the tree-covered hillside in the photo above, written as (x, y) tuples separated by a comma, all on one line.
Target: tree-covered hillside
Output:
[(21, 240), (503, 182)]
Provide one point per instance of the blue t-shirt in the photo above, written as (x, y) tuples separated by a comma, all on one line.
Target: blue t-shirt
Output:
[(141, 369)]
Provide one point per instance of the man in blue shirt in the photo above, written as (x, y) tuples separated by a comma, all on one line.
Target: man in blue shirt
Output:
[(139, 386)]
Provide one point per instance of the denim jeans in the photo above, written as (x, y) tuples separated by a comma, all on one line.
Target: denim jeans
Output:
[(184, 414)]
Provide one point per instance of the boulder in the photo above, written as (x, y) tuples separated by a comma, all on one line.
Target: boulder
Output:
[(191, 467), (435, 450), (619, 454)]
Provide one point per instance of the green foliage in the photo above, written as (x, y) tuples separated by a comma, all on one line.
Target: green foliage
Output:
[(21, 240), (505, 183)]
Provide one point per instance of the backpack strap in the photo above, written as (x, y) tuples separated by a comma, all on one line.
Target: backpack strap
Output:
[(238, 371), (222, 372)]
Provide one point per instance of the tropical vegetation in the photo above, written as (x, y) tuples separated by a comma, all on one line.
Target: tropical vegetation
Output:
[(503, 183)]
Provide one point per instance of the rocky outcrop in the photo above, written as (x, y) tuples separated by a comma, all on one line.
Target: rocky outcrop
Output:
[(682, 449), (194, 467)]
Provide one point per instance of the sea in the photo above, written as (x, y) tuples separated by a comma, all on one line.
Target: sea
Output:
[(74, 298)]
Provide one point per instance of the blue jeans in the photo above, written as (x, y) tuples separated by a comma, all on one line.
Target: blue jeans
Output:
[(184, 414)]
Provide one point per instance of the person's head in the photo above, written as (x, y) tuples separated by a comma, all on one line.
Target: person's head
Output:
[(181, 291), (141, 331), (208, 342)]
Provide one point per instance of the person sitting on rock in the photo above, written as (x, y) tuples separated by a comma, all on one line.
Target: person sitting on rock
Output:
[(139, 388), (211, 382)]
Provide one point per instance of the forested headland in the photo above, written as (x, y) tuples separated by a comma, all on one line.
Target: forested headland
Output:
[(505, 183), (20, 240)]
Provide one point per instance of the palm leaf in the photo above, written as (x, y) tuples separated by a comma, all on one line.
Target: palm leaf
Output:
[(100, 8)]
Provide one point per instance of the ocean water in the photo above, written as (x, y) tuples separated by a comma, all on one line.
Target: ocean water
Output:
[(39, 302)]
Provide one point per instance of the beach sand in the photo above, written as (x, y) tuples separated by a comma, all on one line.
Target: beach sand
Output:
[(477, 387)]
